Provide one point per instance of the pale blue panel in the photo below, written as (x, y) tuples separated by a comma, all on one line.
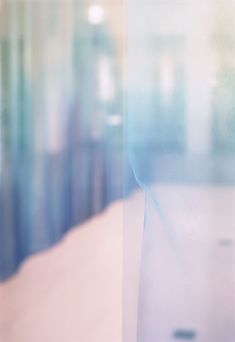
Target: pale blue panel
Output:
[(180, 138)]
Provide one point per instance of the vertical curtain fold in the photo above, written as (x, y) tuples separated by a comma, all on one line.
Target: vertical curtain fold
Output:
[(61, 148)]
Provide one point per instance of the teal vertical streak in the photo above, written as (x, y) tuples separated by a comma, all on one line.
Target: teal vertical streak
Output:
[(14, 119), (39, 235), (14, 81), (26, 127), (1, 123)]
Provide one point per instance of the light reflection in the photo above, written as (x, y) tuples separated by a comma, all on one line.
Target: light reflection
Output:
[(96, 14), (167, 80), (114, 120), (106, 88)]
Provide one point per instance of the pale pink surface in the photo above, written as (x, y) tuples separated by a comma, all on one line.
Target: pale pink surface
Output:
[(71, 292)]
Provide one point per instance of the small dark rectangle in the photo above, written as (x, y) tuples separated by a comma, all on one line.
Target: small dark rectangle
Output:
[(183, 334), (226, 242)]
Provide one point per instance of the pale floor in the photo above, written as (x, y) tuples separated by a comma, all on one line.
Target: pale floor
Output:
[(73, 292), (188, 273)]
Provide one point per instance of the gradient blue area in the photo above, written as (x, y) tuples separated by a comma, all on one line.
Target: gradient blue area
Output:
[(61, 127)]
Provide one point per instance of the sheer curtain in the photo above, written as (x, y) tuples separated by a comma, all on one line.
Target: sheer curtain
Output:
[(61, 124)]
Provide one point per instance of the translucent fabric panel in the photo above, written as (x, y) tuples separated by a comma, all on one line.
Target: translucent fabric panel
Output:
[(180, 138), (61, 125)]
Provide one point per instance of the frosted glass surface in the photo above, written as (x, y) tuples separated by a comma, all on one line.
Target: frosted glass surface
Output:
[(180, 138)]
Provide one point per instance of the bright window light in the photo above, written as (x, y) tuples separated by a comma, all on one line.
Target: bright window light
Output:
[(167, 77), (106, 87), (96, 14), (114, 120)]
